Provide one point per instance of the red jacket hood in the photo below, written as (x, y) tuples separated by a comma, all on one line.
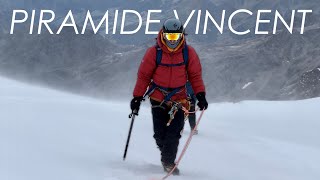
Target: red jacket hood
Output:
[(164, 47)]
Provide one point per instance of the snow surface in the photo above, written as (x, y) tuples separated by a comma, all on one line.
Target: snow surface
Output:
[(49, 135)]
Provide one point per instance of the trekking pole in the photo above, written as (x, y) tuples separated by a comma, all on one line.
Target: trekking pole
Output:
[(132, 116)]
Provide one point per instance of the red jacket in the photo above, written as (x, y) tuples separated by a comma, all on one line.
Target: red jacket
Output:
[(169, 77)]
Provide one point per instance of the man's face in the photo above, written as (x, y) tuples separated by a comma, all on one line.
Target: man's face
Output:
[(172, 38)]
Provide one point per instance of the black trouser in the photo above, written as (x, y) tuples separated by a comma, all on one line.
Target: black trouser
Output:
[(167, 137), (192, 116)]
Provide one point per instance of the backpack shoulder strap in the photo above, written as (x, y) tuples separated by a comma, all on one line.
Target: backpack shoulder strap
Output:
[(159, 55), (185, 52)]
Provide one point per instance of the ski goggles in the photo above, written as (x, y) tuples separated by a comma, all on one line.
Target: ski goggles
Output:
[(172, 36)]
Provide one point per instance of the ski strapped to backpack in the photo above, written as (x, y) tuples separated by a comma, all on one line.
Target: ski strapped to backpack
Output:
[(169, 92)]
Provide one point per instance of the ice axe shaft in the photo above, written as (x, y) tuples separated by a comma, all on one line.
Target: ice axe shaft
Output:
[(132, 116)]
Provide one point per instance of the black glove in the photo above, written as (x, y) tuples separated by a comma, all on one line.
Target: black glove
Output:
[(203, 104), (135, 104)]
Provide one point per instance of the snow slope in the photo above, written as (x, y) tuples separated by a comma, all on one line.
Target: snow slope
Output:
[(49, 135)]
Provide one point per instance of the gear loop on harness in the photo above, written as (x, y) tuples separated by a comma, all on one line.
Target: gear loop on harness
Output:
[(174, 109)]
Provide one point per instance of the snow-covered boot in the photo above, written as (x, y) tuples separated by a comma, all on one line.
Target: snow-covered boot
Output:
[(167, 167)]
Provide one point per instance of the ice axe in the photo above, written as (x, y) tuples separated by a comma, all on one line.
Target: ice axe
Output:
[(132, 116)]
